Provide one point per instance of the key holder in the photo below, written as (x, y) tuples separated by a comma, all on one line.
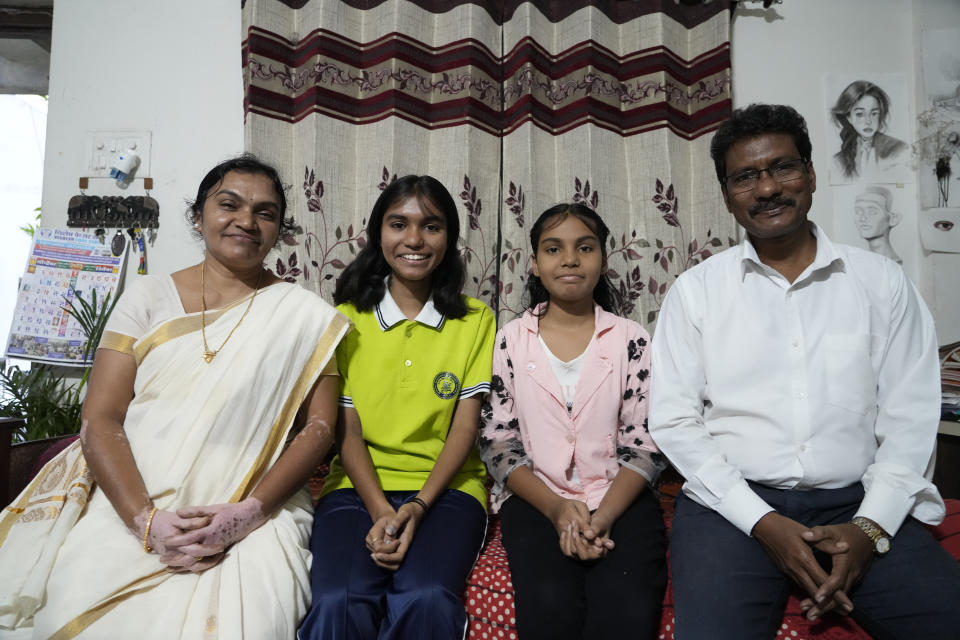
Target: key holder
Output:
[(117, 212)]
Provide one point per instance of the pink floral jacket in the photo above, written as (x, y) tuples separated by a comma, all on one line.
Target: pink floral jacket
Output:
[(525, 419)]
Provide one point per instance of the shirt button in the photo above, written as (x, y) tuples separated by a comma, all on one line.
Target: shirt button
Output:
[(570, 438), (409, 331), (800, 395), (408, 363), (795, 343), (804, 447)]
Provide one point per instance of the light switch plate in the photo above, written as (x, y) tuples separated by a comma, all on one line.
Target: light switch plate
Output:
[(102, 145)]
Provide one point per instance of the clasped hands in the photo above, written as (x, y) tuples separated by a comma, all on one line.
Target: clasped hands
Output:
[(790, 545), (194, 539), (582, 536), (391, 534)]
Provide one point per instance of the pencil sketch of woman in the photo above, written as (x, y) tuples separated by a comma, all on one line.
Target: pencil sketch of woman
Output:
[(861, 112)]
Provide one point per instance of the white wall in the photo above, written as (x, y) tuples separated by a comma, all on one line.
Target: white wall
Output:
[(942, 270), (780, 55), (171, 67), (21, 180)]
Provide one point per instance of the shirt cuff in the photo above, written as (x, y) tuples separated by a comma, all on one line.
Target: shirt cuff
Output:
[(743, 507), (651, 473), (886, 506), (892, 492), (483, 387), (524, 461)]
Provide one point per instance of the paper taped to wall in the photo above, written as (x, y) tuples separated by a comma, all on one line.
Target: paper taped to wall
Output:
[(940, 229)]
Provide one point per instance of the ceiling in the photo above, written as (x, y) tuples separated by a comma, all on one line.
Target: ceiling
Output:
[(25, 27)]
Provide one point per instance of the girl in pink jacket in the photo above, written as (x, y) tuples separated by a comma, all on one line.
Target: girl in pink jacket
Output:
[(564, 435)]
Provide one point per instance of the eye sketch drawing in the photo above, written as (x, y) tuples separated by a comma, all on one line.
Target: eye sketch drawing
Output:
[(862, 114), (940, 230)]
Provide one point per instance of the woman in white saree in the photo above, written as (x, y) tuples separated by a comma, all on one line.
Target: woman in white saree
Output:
[(181, 511)]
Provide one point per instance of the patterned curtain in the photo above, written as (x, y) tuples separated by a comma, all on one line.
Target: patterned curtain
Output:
[(514, 106)]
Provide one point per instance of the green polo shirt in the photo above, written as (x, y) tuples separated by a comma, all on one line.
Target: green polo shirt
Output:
[(404, 378)]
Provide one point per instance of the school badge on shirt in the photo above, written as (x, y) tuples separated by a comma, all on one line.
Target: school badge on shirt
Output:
[(446, 385)]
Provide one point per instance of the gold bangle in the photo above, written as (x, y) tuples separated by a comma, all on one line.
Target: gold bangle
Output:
[(146, 531)]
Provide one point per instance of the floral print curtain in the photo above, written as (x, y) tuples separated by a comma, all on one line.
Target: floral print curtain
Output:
[(513, 105)]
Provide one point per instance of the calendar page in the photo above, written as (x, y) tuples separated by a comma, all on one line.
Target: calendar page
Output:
[(62, 262)]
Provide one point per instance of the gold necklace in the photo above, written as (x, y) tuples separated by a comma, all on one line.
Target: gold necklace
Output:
[(207, 354)]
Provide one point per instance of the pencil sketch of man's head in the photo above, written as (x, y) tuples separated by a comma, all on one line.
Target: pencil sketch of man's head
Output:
[(874, 218)]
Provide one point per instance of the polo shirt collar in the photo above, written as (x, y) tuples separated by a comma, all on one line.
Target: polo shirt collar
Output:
[(389, 314), (827, 255)]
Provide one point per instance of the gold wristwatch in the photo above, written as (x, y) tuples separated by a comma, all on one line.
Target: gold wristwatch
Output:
[(879, 537)]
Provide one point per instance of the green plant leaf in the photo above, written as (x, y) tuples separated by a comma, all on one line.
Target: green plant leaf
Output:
[(44, 399), (91, 317)]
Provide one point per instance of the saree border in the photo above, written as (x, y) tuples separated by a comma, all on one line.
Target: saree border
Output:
[(117, 342), (321, 354), (324, 350), (88, 617), (14, 511), (176, 328)]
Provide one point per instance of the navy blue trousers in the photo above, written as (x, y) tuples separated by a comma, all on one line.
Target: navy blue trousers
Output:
[(726, 586), (560, 598), (354, 599)]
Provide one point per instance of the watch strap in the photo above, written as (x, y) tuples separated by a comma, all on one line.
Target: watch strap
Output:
[(878, 537)]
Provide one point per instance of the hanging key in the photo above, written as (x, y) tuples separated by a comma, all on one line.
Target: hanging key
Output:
[(118, 243)]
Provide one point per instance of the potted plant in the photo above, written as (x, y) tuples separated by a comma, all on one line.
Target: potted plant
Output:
[(47, 403)]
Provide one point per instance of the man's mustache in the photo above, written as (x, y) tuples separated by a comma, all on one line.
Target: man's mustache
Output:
[(767, 205)]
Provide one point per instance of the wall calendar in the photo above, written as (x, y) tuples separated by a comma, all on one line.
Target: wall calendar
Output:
[(61, 264)]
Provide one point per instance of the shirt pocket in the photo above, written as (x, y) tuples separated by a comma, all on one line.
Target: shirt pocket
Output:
[(851, 382)]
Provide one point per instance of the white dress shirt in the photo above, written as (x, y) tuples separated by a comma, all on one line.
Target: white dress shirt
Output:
[(828, 381)]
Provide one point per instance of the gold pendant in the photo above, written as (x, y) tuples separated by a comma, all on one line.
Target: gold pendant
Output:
[(207, 354)]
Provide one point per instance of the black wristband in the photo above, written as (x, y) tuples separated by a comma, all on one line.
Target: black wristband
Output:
[(423, 505)]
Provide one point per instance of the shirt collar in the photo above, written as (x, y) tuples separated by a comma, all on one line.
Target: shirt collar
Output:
[(389, 314), (826, 256), (603, 320)]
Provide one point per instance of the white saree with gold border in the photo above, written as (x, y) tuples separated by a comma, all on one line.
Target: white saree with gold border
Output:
[(201, 433)]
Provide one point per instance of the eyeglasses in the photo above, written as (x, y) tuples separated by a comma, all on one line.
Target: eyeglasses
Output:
[(781, 172)]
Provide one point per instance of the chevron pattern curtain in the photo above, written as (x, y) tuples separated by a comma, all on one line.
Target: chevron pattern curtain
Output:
[(514, 106)]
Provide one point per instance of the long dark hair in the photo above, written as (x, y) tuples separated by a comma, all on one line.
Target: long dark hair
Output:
[(362, 281), (604, 294), (244, 163), (848, 135)]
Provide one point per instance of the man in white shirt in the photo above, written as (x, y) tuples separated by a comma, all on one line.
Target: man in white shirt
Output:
[(796, 389)]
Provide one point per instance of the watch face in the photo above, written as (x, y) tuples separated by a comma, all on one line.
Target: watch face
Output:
[(883, 545)]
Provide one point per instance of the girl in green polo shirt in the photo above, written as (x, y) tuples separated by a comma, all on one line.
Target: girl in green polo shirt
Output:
[(402, 514)]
